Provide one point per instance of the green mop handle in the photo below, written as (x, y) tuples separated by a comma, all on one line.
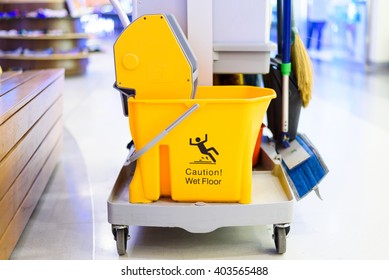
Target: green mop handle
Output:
[(285, 70)]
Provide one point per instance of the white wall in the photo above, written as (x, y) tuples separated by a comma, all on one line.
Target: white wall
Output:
[(378, 51)]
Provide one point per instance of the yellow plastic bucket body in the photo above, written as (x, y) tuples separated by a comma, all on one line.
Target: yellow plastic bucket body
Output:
[(149, 58), (207, 157)]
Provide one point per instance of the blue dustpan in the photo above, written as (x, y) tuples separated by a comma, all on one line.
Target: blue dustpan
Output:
[(306, 176)]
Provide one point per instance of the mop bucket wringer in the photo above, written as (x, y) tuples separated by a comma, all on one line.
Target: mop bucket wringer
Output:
[(192, 143), (208, 156)]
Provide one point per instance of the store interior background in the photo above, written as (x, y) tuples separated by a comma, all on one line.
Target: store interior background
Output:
[(354, 31), (355, 39), (344, 33)]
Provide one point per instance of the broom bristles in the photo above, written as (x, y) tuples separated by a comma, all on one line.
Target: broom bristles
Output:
[(302, 67)]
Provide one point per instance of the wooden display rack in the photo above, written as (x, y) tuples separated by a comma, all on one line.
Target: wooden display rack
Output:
[(69, 47), (30, 144)]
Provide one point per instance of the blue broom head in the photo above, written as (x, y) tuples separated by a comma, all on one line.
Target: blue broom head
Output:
[(304, 177)]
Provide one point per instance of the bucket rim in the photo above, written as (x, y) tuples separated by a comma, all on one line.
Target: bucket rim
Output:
[(264, 94)]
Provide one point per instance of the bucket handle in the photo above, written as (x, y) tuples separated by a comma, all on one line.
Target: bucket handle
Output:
[(133, 156), (121, 13)]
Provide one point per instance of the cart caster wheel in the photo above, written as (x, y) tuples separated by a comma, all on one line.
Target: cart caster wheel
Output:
[(279, 235), (121, 236)]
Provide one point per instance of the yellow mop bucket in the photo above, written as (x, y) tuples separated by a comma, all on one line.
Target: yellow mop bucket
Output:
[(207, 156)]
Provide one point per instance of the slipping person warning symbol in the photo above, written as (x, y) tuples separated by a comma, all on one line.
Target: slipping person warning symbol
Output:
[(204, 150)]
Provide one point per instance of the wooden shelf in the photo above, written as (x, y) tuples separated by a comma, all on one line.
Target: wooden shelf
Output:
[(46, 57), (48, 36), (30, 1), (38, 18)]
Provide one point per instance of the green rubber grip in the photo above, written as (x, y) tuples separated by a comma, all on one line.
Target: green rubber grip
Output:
[(286, 68)]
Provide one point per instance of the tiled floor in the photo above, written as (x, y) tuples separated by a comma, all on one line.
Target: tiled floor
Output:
[(346, 120)]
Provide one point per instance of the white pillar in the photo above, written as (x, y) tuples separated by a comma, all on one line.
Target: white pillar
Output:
[(378, 50), (200, 37)]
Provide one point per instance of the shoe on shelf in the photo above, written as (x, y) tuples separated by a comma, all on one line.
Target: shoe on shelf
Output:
[(43, 52)]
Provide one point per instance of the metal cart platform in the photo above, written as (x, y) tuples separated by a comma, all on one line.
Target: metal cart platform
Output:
[(272, 204)]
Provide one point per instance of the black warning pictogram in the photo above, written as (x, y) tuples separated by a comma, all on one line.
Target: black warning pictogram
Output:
[(208, 152)]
